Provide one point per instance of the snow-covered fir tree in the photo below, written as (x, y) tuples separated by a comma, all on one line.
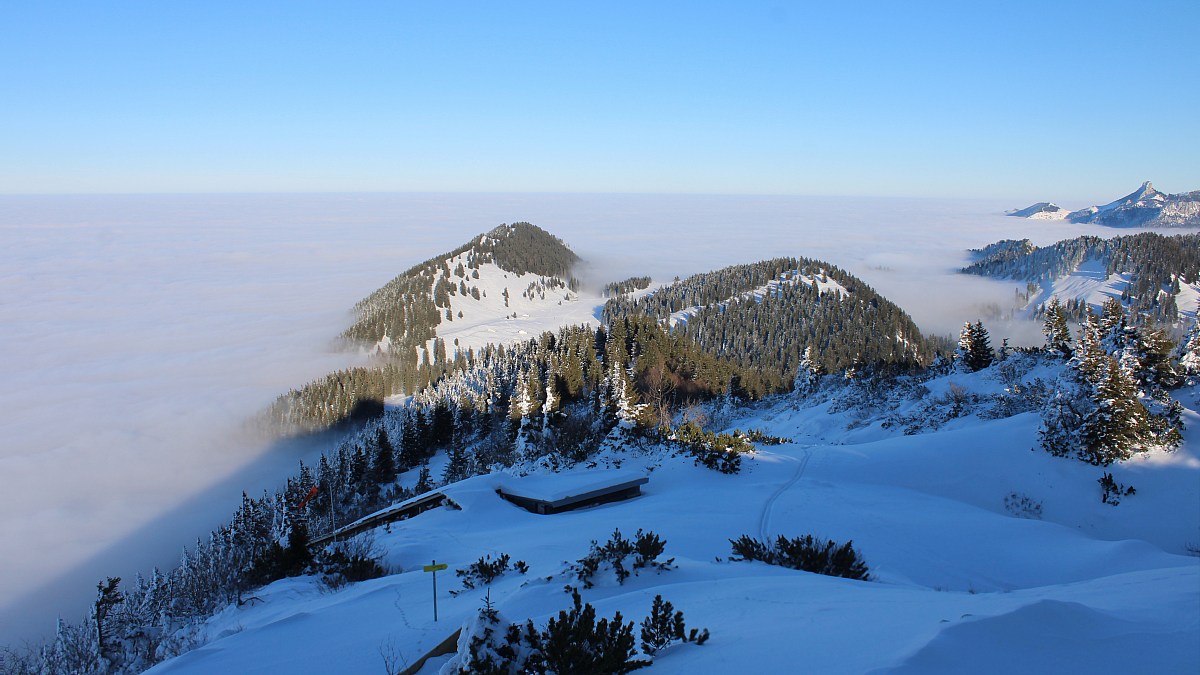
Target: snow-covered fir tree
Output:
[(1054, 327), (974, 347), (1188, 351), (1118, 425), (808, 376), (1096, 412)]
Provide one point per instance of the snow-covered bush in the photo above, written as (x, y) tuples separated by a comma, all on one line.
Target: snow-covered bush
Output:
[(573, 642), (645, 548), (350, 561), (484, 571), (665, 626), (760, 436), (804, 553), (1023, 506), (1112, 491), (719, 452), (488, 644), (1018, 397)]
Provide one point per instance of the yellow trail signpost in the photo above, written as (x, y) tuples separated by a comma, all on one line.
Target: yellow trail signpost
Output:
[(435, 568)]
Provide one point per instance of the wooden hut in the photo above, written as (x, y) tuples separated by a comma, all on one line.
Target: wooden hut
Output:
[(558, 493)]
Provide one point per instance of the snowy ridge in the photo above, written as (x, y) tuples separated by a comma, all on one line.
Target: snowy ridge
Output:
[(1144, 207), (788, 278), (961, 581)]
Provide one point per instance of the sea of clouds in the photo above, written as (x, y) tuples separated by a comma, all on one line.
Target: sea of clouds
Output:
[(140, 333)]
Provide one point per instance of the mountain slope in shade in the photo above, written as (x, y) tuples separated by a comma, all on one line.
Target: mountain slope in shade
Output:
[(1144, 207)]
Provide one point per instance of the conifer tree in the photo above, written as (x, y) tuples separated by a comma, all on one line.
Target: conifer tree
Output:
[(383, 468), (981, 355), (105, 623), (1090, 358), (1188, 351), (964, 345), (411, 433), (1054, 327), (297, 555), (1112, 317), (552, 399), (974, 347), (1065, 415), (809, 373), (458, 467), (1149, 352), (424, 481), (1118, 426), (572, 375)]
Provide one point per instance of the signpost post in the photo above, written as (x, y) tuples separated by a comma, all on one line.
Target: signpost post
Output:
[(435, 567)]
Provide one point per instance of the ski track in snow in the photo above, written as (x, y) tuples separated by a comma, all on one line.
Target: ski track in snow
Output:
[(764, 520)]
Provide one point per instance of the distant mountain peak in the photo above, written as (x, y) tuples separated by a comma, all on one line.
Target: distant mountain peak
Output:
[(1144, 207), (1143, 194)]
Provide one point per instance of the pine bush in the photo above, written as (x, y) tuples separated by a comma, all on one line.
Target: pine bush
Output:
[(821, 556), (665, 626), (645, 548), (576, 642)]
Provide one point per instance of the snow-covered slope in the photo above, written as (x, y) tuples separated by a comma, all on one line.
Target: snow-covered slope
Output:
[(1158, 276), (961, 581), (405, 313), (535, 304), (1092, 284)]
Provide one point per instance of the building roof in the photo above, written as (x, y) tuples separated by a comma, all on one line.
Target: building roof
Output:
[(559, 490)]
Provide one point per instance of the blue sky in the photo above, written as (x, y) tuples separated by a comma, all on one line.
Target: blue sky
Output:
[(1019, 100)]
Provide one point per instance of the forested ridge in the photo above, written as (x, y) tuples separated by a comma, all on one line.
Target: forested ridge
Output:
[(1158, 265), (402, 318), (627, 286), (765, 315)]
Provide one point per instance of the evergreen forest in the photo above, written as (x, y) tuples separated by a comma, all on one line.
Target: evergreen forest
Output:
[(1157, 265), (765, 315)]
